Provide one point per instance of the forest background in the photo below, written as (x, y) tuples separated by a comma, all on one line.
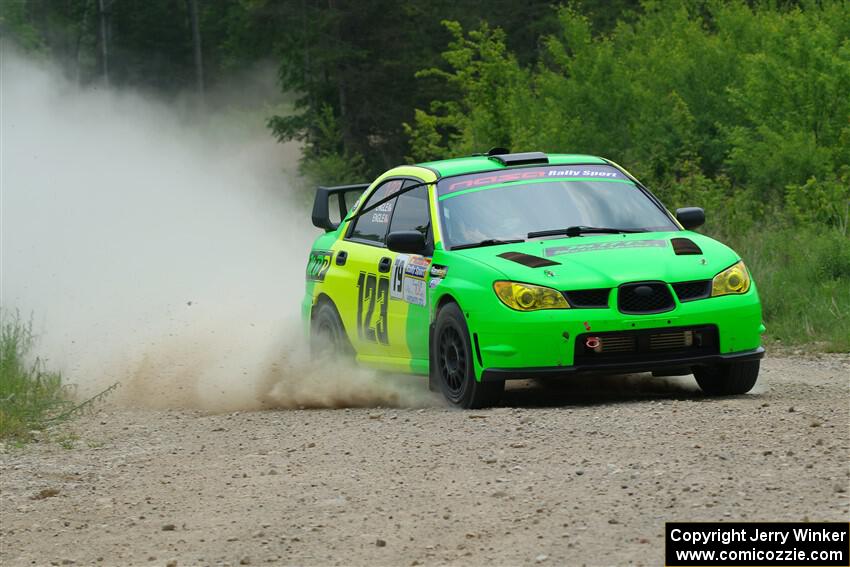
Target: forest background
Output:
[(739, 107)]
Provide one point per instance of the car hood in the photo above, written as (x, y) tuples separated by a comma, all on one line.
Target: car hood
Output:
[(593, 261)]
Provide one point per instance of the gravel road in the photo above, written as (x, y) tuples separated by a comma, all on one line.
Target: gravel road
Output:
[(585, 473)]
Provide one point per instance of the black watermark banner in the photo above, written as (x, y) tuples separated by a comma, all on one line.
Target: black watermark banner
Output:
[(762, 544)]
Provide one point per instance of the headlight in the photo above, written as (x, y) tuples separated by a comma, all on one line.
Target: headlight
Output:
[(732, 280), (527, 297)]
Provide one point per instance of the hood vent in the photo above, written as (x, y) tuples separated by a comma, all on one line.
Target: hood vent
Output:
[(528, 260), (685, 247)]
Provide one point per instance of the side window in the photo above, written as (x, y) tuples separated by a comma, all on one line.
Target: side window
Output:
[(373, 226), (411, 211)]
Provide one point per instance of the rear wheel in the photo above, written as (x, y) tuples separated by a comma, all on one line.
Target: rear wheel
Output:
[(727, 379), (327, 335), (453, 368)]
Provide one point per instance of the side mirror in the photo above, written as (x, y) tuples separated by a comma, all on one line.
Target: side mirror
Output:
[(345, 195), (406, 241), (690, 217)]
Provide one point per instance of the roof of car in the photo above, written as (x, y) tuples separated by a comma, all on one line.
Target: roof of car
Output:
[(474, 164)]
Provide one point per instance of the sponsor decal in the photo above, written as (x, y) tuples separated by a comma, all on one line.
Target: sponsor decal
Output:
[(494, 180), (318, 264), (438, 271), (417, 267), (571, 249), (413, 287), (434, 282), (415, 291), (462, 182)]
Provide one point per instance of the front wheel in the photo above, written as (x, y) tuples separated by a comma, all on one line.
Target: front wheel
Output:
[(451, 356), (727, 379)]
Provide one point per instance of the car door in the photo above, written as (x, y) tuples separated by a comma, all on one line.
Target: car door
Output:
[(363, 298), (408, 308)]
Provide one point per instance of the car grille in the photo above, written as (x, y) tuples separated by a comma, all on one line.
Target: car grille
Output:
[(645, 345), (688, 291), (588, 298), (644, 297)]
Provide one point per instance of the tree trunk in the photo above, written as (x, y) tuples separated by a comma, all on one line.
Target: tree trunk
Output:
[(192, 5), (104, 40), (340, 76)]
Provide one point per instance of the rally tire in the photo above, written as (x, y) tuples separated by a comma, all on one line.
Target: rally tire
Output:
[(452, 364), (727, 379), (327, 334)]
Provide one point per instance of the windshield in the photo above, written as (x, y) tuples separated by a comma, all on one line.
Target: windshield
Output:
[(507, 205)]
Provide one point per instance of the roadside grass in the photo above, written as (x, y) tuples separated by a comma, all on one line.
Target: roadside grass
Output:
[(32, 397), (29, 393), (803, 279)]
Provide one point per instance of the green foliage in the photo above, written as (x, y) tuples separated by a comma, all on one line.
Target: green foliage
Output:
[(481, 119), (792, 99), (15, 23), (699, 99), (740, 108), (821, 202), (29, 394)]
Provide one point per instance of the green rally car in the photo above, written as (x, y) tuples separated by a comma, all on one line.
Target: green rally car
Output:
[(493, 267)]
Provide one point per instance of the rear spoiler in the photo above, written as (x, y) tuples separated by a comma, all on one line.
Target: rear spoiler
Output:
[(321, 205)]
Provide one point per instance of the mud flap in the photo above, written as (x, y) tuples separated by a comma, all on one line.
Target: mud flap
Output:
[(433, 383)]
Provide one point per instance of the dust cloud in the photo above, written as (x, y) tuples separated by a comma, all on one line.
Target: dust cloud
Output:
[(159, 252)]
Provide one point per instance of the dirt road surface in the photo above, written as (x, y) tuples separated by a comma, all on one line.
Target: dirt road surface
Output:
[(586, 473)]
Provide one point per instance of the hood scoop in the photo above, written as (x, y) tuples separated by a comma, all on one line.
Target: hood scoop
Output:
[(685, 247), (528, 260)]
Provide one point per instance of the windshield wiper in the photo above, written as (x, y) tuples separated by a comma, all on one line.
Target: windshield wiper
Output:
[(579, 230), (487, 242)]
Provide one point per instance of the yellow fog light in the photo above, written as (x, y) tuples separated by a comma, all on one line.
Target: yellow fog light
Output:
[(528, 297), (732, 280)]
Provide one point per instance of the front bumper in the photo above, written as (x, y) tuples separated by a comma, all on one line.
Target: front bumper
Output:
[(507, 340), (499, 374)]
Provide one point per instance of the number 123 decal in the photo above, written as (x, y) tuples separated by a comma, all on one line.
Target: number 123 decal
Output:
[(373, 294)]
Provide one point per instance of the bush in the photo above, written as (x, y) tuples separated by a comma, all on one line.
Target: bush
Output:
[(821, 201)]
